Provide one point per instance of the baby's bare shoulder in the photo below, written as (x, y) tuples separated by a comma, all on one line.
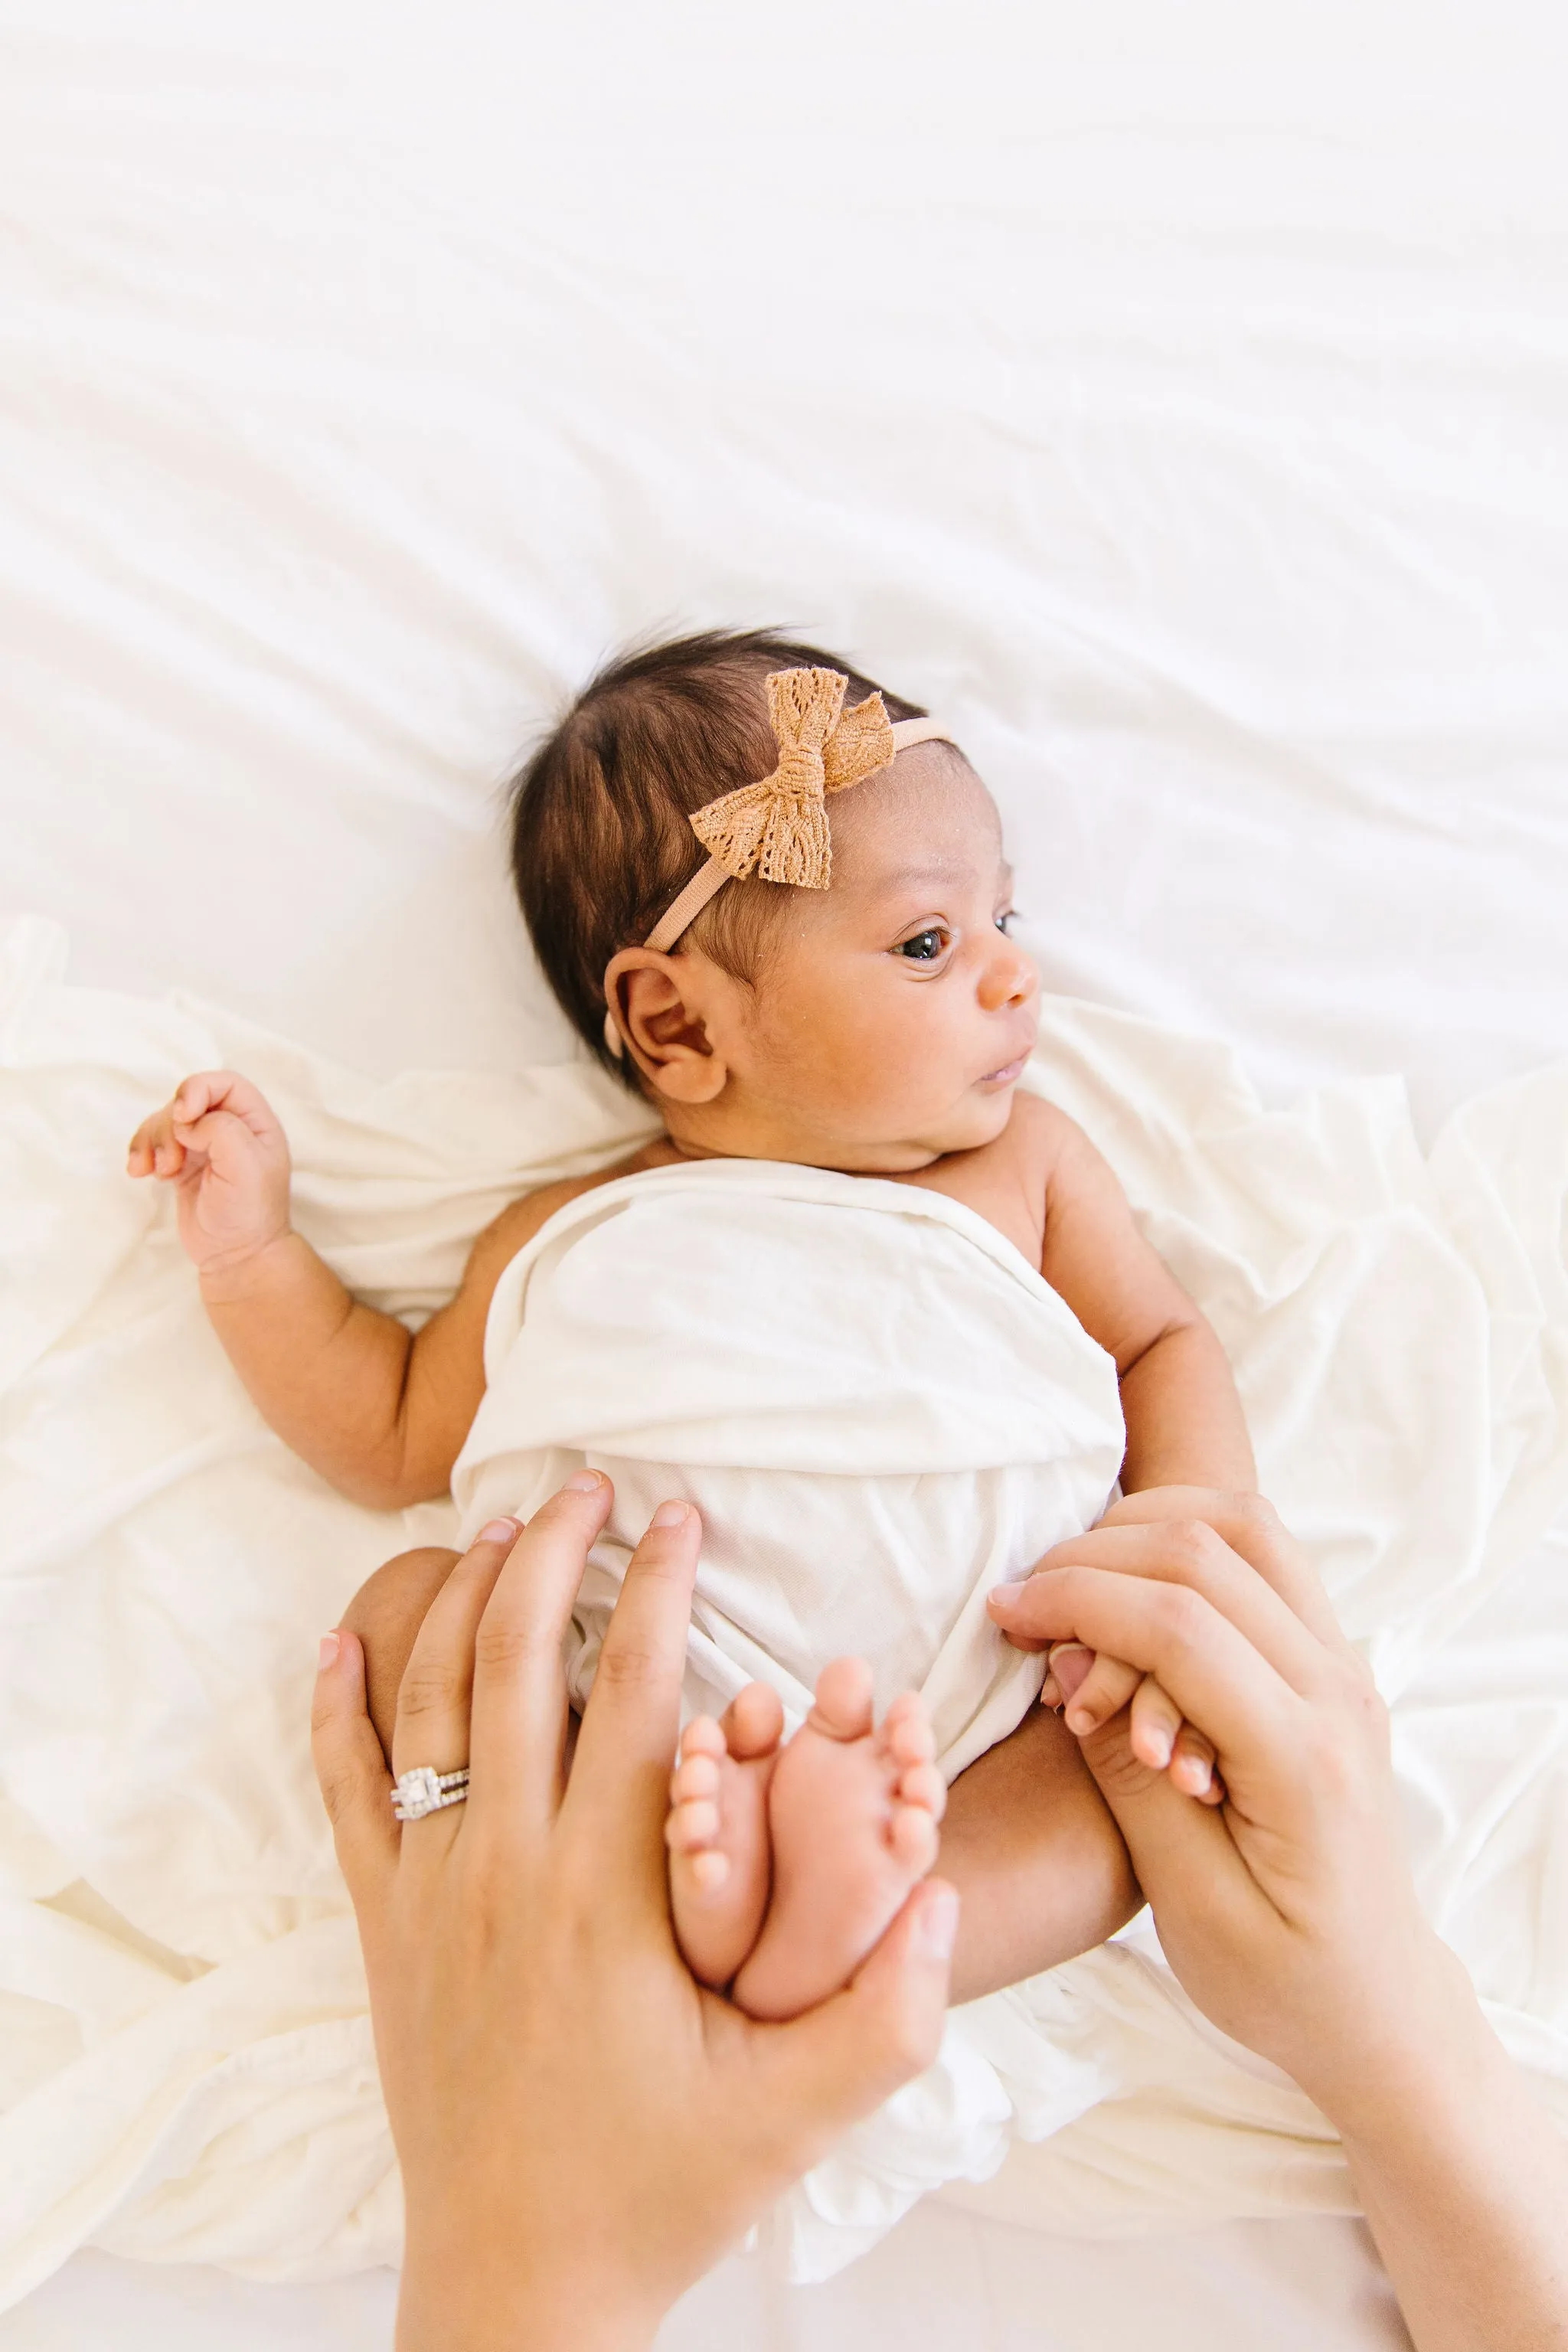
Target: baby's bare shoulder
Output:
[(1038, 1134), (515, 1227)]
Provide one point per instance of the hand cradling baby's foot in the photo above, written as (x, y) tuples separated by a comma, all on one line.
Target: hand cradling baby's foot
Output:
[(850, 1811)]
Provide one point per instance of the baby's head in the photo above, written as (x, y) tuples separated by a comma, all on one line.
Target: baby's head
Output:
[(872, 1025)]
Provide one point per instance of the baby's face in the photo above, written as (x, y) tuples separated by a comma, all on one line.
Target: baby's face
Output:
[(892, 1015)]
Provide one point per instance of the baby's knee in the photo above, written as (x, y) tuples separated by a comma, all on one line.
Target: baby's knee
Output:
[(386, 1613)]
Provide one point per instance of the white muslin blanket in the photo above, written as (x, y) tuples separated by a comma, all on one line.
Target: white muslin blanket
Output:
[(876, 1403), (186, 2065)]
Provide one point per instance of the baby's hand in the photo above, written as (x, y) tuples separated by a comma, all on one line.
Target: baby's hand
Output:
[(218, 1140)]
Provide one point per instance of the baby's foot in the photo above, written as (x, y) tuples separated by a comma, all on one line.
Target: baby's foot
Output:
[(853, 1813), (716, 1832)]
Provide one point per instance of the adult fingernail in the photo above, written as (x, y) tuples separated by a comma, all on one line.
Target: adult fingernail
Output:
[(585, 1481), (1002, 1596), (936, 1923), (1081, 1719), (498, 1531), (670, 1514), (327, 1652)]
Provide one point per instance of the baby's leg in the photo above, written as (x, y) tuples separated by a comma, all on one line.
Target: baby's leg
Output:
[(719, 1864), (386, 1612), (853, 1812)]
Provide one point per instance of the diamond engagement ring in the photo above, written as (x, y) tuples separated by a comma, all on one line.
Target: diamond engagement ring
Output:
[(425, 1791)]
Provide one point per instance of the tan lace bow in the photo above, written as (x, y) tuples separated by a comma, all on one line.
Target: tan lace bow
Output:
[(778, 828)]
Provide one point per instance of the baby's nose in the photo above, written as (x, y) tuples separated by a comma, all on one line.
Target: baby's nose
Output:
[(1010, 977)]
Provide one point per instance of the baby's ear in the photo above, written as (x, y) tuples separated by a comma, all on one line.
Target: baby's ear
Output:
[(658, 1014)]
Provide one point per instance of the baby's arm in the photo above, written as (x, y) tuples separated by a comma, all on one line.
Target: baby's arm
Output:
[(1029, 1843), (1184, 1424), (380, 1412)]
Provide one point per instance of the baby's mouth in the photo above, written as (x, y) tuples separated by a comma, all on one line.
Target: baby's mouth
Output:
[(1005, 1075)]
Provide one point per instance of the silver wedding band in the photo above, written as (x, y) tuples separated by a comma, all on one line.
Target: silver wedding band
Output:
[(425, 1791)]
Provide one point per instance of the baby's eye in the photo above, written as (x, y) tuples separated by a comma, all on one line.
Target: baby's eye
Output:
[(925, 947), (1004, 922)]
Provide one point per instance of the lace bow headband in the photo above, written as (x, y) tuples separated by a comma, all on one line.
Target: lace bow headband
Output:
[(778, 828)]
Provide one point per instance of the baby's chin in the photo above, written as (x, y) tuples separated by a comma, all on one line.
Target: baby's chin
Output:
[(977, 1118)]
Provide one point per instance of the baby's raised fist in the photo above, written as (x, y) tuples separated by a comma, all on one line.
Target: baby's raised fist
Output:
[(218, 1141)]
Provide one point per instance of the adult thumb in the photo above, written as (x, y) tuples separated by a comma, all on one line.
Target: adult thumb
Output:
[(855, 2050)]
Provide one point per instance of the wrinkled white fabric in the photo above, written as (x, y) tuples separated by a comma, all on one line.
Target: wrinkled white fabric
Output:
[(183, 2047), (879, 1406)]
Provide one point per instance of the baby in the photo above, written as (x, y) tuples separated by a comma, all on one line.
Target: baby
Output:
[(772, 900)]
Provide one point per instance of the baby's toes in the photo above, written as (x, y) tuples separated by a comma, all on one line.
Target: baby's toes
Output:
[(694, 1776), (692, 1823), (907, 1734), (923, 1785), (842, 1707), (912, 1836), (703, 1736), (754, 1721), (692, 1827)]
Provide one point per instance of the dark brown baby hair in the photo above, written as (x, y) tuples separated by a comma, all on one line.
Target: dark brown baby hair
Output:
[(599, 842)]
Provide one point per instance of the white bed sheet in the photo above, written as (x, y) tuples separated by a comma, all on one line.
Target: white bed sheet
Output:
[(1185, 428)]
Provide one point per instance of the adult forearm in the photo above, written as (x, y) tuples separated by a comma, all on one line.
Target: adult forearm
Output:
[(1464, 2180), (326, 1374), (1039, 1862), (1184, 1422)]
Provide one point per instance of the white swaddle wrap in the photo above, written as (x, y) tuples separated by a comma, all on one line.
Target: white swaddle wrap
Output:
[(878, 1405), (882, 1409)]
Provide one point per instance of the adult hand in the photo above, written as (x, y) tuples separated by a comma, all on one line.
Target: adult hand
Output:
[(582, 2130), (1286, 1911)]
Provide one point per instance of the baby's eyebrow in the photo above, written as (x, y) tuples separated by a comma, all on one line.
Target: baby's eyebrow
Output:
[(903, 877)]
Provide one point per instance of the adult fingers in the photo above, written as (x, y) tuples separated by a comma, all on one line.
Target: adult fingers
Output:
[(618, 1794), (1153, 1721), (1251, 1525), (1193, 1766), (431, 1725), (519, 1692), (1192, 1553), (1221, 1682), (837, 2062), (355, 1785)]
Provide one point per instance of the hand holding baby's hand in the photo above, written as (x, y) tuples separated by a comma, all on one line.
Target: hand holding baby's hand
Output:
[(218, 1141), (1091, 1689)]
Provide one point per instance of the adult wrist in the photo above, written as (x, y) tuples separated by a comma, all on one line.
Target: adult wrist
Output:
[(463, 2297), (1405, 2074)]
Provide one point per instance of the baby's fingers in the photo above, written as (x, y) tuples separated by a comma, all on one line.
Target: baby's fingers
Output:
[(154, 1149), (1103, 1692), (227, 1091)]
